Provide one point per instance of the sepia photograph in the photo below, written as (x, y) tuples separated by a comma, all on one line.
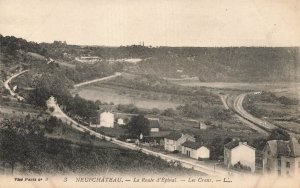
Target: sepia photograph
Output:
[(139, 93)]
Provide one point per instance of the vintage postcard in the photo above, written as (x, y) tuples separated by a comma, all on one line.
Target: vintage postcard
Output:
[(138, 93)]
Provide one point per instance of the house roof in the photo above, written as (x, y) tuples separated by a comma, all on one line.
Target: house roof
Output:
[(231, 145), (236, 143), (285, 148), (161, 134), (174, 136), (154, 123), (192, 145)]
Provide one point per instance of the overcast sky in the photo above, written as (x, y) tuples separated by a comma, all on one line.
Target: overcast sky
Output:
[(156, 22)]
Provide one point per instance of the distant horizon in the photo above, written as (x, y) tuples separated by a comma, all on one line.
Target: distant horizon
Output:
[(173, 23), (151, 46)]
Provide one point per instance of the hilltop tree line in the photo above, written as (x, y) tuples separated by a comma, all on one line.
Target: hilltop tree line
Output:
[(230, 64), (10, 45)]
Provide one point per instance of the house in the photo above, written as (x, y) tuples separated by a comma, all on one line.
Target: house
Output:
[(236, 152), (202, 126), (88, 59), (174, 140), (282, 157), (195, 150), (156, 138), (154, 124), (106, 119), (120, 121)]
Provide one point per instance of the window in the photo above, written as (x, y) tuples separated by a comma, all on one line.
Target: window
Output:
[(288, 165), (188, 153), (279, 163), (279, 172)]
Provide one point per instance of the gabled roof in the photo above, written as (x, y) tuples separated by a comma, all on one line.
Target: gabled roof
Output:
[(192, 145), (236, 143), (154, 123), (285, 148), (231, 145), (106, 112), (174, 136), (161, 134)]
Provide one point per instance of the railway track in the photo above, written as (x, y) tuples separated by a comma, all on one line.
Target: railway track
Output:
[(261, 125)]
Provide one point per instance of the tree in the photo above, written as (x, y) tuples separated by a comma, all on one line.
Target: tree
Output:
[(217, 148), (51, 124), (155, 111), (279, 134), (137, 125), (170, 112)]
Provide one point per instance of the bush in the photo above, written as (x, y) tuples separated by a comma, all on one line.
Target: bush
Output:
[(287, 101), (51, 109), (170, 112), (238, 165)]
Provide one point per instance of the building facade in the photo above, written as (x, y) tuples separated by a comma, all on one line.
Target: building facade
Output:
[(195, 150), (107, 119), (174, 140), (282, 158), (236, 152)]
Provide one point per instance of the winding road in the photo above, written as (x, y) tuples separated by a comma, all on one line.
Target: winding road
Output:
[(99, 79), (187, 163), (6, 85)]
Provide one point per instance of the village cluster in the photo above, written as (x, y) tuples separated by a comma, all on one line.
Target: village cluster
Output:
[(279, 157)]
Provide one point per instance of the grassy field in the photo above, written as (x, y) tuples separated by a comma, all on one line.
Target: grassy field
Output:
[(268, 106), (11, 109), (125, 96), (68, 133), (276, 87)]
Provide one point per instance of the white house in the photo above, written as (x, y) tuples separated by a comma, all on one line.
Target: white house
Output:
[(106, 119), (174, 140), (282, 158), (239, 152), (195, 150), (88, 59), (154, 124), (51, 102), (202, 126), (120, 121)]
